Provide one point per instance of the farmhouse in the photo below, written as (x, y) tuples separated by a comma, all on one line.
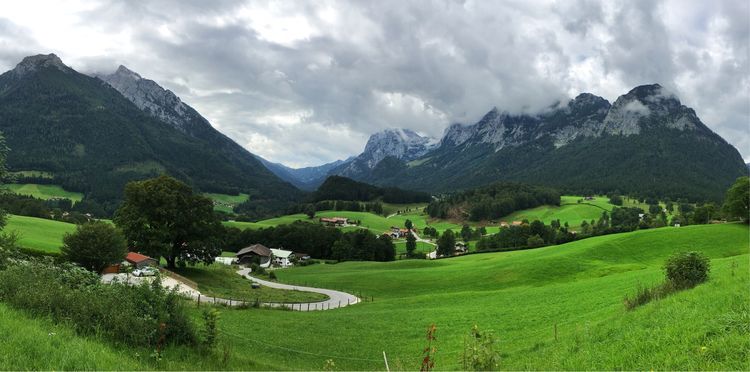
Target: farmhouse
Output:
[(503, 224), (138, 260), (461, 248), (517, 223), (255, 253), (282, 257), (334, 221)]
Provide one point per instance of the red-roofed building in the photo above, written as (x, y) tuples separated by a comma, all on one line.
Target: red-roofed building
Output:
[(138, 260)]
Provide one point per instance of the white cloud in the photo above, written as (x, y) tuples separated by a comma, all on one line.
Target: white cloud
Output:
[(307, 83)]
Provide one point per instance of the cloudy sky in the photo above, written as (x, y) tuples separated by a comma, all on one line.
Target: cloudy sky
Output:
[(305, 83)]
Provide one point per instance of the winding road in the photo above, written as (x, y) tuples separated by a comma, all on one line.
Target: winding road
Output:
[(336, 299)]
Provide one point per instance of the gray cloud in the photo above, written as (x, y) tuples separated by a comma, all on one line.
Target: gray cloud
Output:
[(307, 83)]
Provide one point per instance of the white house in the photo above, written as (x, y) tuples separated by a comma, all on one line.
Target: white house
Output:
[(282, 257)]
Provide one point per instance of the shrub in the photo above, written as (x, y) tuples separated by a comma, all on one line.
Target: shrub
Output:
[(479, 351), (256, 269), (210, 330), (136, 315), (94, 246), (272, 275), (687, 269)]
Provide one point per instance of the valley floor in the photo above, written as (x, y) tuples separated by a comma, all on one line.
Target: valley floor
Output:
[(522, 296)]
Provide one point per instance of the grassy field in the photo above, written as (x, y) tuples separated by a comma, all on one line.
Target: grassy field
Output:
[(226, 203), (43, 191), (222, 281), (38, 233), (523, 296), (421, 247)]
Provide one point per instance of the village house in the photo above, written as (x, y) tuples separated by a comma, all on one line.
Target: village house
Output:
[(461, 248), (282, 257), (503, 224), (255, 253), (517, 223)]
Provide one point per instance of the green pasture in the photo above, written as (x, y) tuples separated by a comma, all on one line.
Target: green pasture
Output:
[(45, 192), (222, 281), (225, 202), (39, 233)]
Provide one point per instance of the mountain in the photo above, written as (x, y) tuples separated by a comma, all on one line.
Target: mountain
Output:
[(94, 140), (645, 143), (402, 144), (307, 178)]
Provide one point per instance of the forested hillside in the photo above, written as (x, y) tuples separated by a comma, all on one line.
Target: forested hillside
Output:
[(93, 140)]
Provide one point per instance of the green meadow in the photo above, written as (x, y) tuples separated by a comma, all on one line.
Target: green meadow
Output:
[(554, 308), (226, 203), (45, 192), (38, 233)]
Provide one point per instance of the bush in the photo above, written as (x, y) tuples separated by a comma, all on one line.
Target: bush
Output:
[(256, 269), (687, 269), (272, 275), (479, 351), (134, 315), (94, 246)]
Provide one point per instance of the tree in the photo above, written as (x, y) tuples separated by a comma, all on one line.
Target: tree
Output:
[(534, 241), (408, 224), (615, 200), (466, 233), (411, 245), (310, 211), (94, 246), (737, 200), (446, 244), (162, 217)]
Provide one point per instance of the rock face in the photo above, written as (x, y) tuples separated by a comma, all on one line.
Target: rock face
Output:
[(34, 63), (150, 97), (629, 146), (401, 144)]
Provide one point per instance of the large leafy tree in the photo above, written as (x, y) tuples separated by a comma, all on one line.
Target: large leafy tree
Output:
[(94, 246), (162, 217), (446, 244), (737, 200)]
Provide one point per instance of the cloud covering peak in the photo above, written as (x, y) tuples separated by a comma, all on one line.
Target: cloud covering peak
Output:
[(307, 83)]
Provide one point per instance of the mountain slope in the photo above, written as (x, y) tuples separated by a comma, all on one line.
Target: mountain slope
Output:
[(646, 143), (94, 140), (307, 178)]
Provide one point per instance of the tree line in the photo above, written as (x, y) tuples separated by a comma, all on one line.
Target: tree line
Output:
[(492, 201)]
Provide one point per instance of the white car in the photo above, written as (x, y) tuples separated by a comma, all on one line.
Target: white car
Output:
[(145, 271)]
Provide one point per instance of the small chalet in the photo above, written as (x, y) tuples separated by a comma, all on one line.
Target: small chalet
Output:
[(138, 260), (255, 253), (302, 256), (334, 221), (397, 232), (503, 224), (517, 223), (282, 257)]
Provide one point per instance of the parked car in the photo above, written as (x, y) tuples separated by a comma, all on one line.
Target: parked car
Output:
[(145, 271), (255, 285)]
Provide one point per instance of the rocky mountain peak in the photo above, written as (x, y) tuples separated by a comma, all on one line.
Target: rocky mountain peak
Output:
[(33, 63), (648, 105), (149, 96), (400, 143)]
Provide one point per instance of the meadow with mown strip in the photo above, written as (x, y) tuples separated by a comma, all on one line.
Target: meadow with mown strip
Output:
[(44, 192)]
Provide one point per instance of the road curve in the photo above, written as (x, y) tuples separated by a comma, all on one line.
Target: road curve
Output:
[(336, 299)]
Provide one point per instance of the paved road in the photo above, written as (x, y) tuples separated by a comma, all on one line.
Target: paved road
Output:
[(335, 300)]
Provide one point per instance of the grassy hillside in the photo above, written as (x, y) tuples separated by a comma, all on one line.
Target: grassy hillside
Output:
[(226, 203), (38, 233), (521, 296), (43, 191)]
